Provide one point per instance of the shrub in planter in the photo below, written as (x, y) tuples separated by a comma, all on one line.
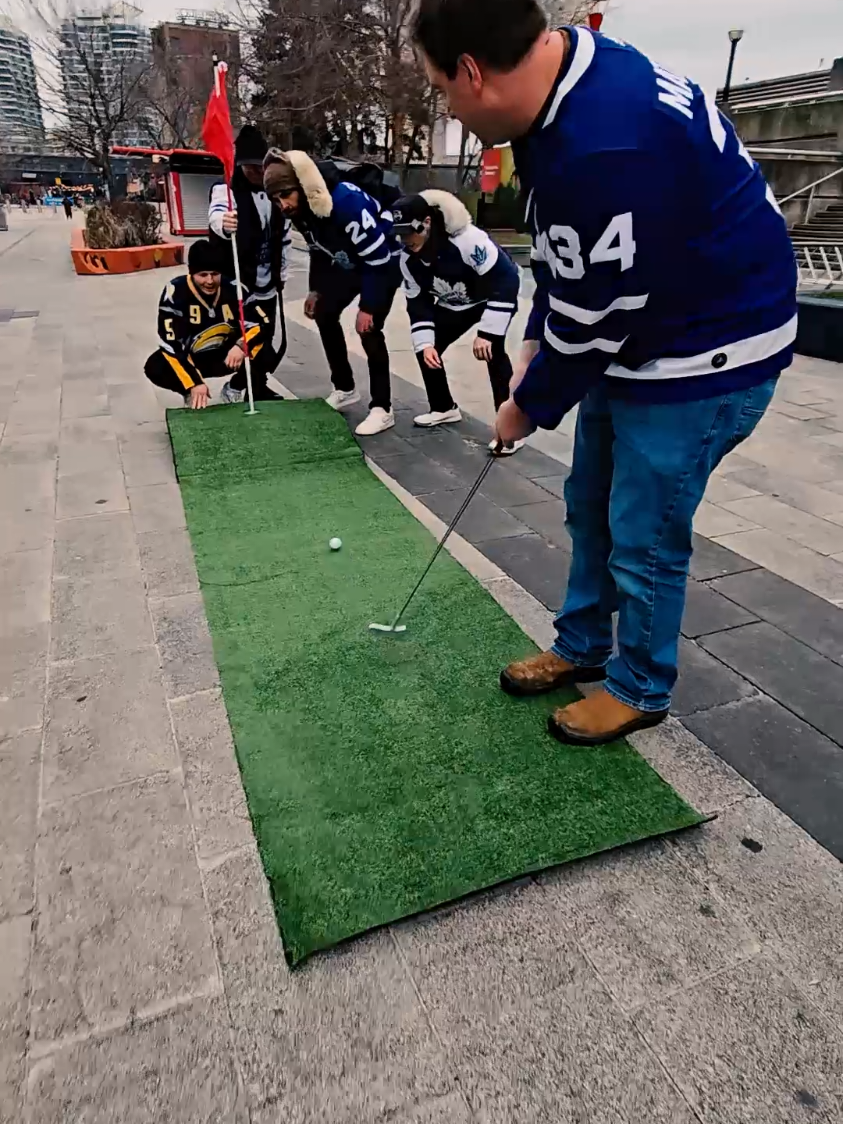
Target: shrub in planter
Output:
[(115, 226)]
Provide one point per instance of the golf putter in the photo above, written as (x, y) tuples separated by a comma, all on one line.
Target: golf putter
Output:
[(396, 625)]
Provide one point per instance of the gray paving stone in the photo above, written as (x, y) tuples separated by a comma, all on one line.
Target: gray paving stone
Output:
[(212, 778), (418, 474), (547, 519), (24, 590), (758, 862), (532, 463), (710, 560), (532, 1032), (97, 618), (537, 565), (788, 559), (784, 1072), (508, 489), (802, 527), (167, 563), (391, 444), (15, 940), (553, 484), (792, 609), (19, 766), (187, 656), (27, 524), (143, 467), (157, 507), (86, 455), (697, 774), (122, 927), (95, 548), (27, 449), (814, 498), (792, 764), (23, 662), (177, 1068), (461, 455), (793, 674), (37, 483), (704, 682), (107, 723), (482, 520), (647, 923), (343, 1038), (91, 493), (707, 611)]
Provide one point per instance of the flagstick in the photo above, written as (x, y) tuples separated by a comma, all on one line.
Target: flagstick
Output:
[(239, 285)]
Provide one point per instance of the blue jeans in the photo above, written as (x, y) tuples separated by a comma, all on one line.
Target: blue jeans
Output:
[(640, 470)]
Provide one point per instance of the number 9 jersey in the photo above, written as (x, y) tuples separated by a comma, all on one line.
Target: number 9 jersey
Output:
[(662, 261)]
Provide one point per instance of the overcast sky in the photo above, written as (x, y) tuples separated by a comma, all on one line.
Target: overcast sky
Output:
[(689, 36)]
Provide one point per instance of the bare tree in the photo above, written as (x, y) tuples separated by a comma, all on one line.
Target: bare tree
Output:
[(94, 72)]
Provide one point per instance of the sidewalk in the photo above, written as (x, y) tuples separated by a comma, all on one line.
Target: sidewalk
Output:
[(142, 978)]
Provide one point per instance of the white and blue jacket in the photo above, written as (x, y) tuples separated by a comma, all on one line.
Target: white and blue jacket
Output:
[(356, 235), (460, 267), (662, 261)]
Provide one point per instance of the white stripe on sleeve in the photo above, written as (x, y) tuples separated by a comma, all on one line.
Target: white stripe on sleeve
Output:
[(593, 316), (598, 344), (423, 337), (494, 321)]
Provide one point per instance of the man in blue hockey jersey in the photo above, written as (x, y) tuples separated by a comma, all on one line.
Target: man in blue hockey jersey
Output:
[(665, 306), (353, 251), (454, 277)]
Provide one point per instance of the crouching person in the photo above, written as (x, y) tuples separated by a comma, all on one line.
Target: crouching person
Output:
[(353, 251), (200, 338), (455, 277)]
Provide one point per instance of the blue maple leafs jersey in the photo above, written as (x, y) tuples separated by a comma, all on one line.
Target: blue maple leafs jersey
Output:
[(661, 259), (459, 271), (357, 235)]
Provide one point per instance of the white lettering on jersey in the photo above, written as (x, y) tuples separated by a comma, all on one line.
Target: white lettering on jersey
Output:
[(561, 248), (676, 91)]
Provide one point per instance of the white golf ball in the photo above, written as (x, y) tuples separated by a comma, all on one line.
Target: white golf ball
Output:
[(335, 544)]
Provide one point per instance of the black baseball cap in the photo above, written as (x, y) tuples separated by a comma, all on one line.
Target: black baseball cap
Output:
[(409, 213)]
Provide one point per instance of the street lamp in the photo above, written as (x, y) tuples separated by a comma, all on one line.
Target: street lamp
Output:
[(735, 36)]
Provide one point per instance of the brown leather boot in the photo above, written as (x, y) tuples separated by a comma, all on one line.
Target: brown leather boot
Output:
[(599, 719), (545, 672)]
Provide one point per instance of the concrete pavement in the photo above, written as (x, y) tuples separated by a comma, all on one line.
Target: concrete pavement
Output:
[(141, 976)]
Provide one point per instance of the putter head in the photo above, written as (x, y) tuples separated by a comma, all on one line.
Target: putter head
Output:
[(388, 627)]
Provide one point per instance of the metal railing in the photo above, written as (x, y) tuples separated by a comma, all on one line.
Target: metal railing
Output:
[(819, 266), (811, 189)]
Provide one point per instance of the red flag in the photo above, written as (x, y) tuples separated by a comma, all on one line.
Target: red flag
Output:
[(216, 129)]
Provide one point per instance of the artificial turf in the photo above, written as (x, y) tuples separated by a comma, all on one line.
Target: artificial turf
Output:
[(384, 774)]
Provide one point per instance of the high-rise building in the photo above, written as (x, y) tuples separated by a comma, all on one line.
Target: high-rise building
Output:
[(112, 45), (183, 67), (21, 120)]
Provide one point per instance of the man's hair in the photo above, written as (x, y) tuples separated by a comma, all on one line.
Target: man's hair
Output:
[(497, 33)]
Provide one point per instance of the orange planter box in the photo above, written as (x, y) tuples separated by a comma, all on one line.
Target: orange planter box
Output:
[(169, 253)]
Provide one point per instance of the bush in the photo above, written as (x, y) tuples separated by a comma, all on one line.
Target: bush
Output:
[(113, 226)]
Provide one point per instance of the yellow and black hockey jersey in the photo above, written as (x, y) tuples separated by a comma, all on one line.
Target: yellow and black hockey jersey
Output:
[(192, 327)]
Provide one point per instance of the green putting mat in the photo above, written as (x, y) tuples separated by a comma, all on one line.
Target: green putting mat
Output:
[(384, 774)]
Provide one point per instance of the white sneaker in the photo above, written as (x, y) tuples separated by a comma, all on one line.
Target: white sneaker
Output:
[(340, 399), (229, 395), (377, 421), (506, 450), (438, 417)]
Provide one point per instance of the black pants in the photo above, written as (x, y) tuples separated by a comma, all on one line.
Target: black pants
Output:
[(271, 307), (338, 291), (449, 326), (169, 375)]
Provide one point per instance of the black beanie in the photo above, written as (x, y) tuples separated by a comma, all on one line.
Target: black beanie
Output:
[(202, 257), (250, 147)]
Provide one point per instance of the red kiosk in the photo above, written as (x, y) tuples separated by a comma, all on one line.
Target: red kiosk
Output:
[(188, 178)]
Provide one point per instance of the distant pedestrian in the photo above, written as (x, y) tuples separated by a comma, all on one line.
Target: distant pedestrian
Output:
[(67, 202)]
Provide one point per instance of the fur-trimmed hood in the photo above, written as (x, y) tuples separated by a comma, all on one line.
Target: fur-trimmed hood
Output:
[(455, 214), (285, 171)]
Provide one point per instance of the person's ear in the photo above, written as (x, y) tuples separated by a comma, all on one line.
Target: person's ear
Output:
[(471, 71)]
